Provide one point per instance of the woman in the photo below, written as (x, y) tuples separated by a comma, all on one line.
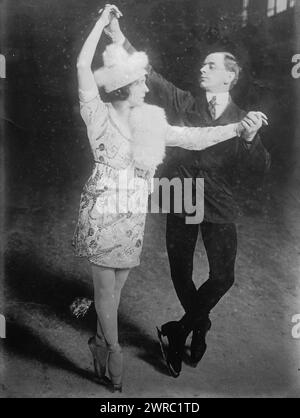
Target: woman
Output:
[(128, 140)]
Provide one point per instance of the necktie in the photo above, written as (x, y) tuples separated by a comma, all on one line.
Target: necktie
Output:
[(212, 107)]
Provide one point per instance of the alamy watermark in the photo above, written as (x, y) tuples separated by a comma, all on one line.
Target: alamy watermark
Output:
[(129, 194), (296, 327), (2, 326), (296, 67), (2, 66)]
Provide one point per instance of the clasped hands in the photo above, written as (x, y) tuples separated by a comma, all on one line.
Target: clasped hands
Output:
[(110, 16), (250, 124)]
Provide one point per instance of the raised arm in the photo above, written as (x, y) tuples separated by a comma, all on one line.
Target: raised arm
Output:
[(86, 81), (162, 92), (92, 109)]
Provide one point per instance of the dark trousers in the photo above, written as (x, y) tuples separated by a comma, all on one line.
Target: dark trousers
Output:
[(220, 241)]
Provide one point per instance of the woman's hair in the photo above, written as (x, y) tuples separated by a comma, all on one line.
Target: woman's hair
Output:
[(120, 94)]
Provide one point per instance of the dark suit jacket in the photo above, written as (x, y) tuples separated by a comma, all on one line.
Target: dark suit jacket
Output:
[(221, 165)]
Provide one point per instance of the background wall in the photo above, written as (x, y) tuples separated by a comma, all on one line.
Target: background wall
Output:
[(43, 39)]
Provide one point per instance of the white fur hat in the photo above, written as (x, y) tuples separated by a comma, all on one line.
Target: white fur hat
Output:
[(120, 68)]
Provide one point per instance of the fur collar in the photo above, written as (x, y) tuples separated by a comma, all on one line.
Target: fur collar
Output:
[(148, 126)]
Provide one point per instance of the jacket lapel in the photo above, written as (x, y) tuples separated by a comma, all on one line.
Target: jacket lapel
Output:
[(231, 113)]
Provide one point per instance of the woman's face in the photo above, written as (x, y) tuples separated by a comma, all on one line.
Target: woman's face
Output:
[(137, 92)]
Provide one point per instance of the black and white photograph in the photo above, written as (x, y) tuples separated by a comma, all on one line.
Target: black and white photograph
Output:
[(150, 201)]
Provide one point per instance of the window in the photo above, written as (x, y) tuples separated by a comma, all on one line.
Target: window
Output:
[(245, 11), (281, 5), (278, 6), (271, 7)]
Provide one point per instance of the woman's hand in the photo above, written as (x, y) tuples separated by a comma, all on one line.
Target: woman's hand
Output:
[(108, 13)]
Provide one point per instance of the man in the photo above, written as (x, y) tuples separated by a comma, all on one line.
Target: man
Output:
[(221, 166)]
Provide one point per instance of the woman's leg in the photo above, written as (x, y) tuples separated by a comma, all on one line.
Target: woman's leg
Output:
[(104, 280), (100, 339), (121, 277), (107, 324), (107, 289)]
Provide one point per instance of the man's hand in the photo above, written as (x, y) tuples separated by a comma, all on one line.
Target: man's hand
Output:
[(114, 32), (251, 123)]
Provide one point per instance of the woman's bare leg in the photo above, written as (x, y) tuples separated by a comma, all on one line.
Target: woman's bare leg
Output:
[(100, 339), (121, 277), (104, 280), (107, 297)]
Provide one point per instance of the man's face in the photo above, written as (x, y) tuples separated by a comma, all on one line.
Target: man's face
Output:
[(214, 77)]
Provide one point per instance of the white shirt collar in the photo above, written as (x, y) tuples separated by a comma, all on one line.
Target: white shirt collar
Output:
[(222, 99)]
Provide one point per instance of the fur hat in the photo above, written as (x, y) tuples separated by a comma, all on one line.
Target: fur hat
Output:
[(120, 68)]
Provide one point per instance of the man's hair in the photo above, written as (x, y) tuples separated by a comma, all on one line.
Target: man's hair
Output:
[(231, 64)]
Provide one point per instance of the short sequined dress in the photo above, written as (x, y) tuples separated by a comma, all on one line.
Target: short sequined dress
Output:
[(113, 203)]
